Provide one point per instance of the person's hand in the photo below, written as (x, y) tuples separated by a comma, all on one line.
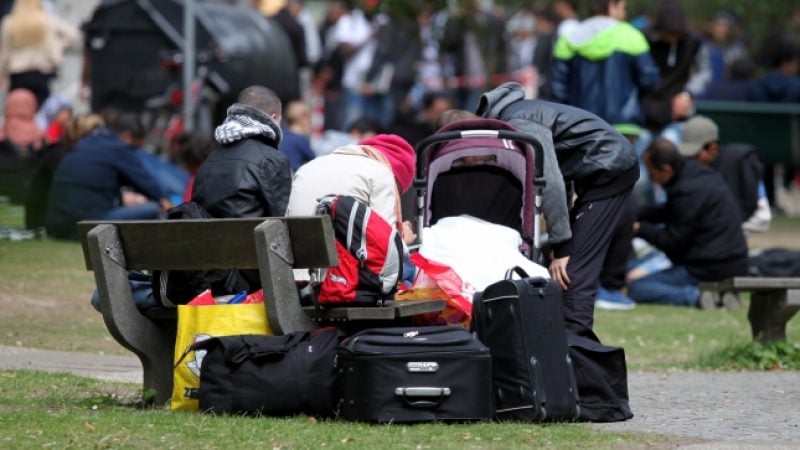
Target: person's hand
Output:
[(681, 106), (367, 89), (408, 233), (558, 270), (85, 92), (165, 204), (130, 198), (635, 227)]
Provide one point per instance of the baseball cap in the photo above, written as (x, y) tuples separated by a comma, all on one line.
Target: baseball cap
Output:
[(697, 132)]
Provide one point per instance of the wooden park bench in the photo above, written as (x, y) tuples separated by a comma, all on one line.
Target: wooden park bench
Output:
[(273, 245), (773, 302)]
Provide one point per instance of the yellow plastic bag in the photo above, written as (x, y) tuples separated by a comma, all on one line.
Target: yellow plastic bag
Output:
[(196, 323)]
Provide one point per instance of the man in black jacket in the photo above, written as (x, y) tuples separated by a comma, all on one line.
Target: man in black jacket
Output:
[(582, 149), (701, 232), (247, 176), (738, 164)]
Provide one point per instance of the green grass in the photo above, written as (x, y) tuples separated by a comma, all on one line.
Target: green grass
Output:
[(40, 410), (665, 337), (782, 223), (11, 215), (754, 356), (45, 298)]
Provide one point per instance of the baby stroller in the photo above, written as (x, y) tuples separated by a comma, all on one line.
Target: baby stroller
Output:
[(486, 169)]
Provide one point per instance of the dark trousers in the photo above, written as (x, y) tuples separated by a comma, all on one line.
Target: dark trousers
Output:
[(620, 248), (34, 81), (593, 224)]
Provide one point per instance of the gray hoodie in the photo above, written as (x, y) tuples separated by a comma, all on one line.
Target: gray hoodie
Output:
[(579, 147)]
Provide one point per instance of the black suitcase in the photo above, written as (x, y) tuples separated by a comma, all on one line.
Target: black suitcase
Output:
[(417, 374), (522, 323)]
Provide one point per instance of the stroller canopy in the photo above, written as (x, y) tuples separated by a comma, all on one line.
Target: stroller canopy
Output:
[(489, 178)]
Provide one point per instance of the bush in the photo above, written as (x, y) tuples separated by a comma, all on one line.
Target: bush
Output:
[(778, 355)]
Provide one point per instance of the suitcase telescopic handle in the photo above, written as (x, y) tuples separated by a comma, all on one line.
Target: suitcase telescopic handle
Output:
[(422, 397), (516, 136)]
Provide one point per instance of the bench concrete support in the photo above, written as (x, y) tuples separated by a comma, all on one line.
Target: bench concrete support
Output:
[(274, 252), (770, 311), (142, 336)]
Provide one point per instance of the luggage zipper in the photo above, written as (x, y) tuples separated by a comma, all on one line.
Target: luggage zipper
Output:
[(361, 253), (499, 297), (351, 224)]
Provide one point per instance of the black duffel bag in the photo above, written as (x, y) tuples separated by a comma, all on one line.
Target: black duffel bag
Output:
[(601, 374), (269, 375)]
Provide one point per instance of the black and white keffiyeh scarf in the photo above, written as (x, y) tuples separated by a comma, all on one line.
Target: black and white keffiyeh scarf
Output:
[(244, 122)]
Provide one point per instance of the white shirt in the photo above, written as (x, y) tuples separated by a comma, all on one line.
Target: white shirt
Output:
[(354, 29)]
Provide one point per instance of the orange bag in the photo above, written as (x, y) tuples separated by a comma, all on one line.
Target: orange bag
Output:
[(457, 293)]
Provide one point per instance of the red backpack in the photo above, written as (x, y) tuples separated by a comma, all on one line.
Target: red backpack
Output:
[(370, 255)]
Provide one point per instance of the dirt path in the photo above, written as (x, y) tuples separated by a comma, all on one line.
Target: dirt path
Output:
[(728, 409)]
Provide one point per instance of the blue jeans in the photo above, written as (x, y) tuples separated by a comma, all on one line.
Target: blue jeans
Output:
[(354, 107), (171, 178), (145, 211), (141, 289), (653, 262), (409, 271), (673, 286)]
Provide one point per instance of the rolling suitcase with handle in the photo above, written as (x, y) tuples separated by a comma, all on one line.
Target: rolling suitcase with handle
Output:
[(416, 374), (522, 323)]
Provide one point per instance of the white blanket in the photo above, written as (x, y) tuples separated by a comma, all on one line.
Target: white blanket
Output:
[(479, 252)]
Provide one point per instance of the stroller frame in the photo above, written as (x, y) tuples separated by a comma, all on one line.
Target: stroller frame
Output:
[(531, 149)]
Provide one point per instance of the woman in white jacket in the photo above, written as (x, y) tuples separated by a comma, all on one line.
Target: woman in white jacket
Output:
[(375, 172)]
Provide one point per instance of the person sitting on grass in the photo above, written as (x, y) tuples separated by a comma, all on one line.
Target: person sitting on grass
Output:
[(88, 183), (699, 229)]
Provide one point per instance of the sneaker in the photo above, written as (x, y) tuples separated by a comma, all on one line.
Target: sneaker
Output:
[(731, 300), (709, 300), (613, 299)]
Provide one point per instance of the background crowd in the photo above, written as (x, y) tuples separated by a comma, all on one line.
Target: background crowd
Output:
[(372, 67)]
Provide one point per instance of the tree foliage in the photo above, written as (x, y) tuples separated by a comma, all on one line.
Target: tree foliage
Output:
[(758, 17)]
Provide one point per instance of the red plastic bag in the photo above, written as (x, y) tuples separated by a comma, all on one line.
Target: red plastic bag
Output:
[(207, 298), (255, 297), (458, 310), (203, 298)]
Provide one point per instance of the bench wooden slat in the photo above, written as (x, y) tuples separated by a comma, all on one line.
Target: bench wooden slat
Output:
[(752, 283), (391, 310), (163, 245)]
